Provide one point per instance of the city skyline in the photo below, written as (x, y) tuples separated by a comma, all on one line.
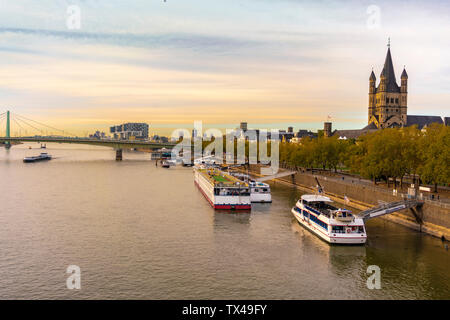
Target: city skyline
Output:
[(290, 63)]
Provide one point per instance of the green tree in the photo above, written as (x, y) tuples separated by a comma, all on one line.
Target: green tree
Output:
[(435, 154)]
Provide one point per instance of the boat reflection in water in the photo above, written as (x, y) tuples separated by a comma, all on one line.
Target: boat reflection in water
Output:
[(339, 259)]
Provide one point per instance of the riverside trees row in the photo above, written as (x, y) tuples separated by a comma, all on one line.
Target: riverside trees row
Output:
[(381, 155)]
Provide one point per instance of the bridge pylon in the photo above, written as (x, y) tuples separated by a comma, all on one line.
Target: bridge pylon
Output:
[(118, 154), (8, 131)]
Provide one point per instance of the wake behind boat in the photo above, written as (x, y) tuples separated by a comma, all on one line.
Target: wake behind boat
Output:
[(334, 225), (41, 157)]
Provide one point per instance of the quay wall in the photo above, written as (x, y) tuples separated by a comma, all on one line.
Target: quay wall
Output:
[(432, 218)]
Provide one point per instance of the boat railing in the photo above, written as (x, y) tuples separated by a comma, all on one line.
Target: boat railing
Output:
[(313, 210)]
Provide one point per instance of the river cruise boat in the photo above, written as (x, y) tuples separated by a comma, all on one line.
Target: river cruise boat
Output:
[(222, 190), (41, 157), (334, 225)]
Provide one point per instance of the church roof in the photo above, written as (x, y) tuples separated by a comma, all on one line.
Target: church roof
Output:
[(422, 121), (389, 74), (370, 126), (355, 133), (404, 74), (372, 76)]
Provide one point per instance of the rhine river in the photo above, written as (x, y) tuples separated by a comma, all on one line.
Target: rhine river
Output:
[(143, 232)]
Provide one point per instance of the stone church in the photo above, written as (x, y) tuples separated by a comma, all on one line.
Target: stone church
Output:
[(388, 104)]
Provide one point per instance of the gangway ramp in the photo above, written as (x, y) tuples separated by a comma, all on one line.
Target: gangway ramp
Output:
[(276, 176), (386, 208)]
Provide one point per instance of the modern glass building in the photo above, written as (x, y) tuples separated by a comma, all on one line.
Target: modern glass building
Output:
[(129, 131)]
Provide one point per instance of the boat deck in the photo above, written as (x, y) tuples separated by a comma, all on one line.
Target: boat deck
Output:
[(221, 178)]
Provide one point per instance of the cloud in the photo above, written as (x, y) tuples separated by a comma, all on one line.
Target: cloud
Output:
[(262, 61), (170, 41)]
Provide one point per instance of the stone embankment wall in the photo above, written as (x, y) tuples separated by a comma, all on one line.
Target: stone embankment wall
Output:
[(433, 217)]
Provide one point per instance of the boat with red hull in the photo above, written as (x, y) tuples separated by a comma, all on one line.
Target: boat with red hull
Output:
[(223, 191)]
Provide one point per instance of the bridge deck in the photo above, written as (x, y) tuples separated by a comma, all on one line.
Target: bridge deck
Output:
[(117, 144)]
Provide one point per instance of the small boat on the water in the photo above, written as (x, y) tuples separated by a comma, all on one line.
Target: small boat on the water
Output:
[(41, 157), (334, 225), (259, 191), (168, 163)]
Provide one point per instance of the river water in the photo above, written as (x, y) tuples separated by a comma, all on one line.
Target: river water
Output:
[(143, 232)]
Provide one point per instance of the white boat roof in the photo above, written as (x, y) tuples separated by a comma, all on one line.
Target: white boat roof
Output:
[(315, 197), (260, 184)]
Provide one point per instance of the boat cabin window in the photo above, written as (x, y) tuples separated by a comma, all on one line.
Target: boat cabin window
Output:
[(321, 206), (344, 214), (345, 229), (338, 229), (231, 192)]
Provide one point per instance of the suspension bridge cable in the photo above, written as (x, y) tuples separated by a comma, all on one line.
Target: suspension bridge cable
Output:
[(44, 125), (41, 131), (19, 125)]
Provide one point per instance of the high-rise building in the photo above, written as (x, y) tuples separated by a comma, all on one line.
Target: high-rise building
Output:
[(131, 130)]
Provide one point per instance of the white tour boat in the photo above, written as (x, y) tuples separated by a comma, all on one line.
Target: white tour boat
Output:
[(222, 190), (259, 191), (334, 225)]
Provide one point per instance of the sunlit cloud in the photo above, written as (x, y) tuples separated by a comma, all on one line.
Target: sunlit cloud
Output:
[(265, 62)]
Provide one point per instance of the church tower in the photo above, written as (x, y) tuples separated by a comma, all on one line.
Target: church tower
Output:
[(372, 95), (404, 95), (388, 102)]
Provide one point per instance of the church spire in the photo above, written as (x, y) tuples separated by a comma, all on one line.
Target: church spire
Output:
[(388, 72), (404, 74)]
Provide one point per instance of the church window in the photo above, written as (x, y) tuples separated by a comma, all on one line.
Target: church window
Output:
[(392, 100), (396, 100), (387, 100)]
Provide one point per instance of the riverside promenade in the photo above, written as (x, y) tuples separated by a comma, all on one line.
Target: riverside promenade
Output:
[(432, 218)]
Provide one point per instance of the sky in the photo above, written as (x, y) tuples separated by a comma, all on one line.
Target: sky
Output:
[(271, 63)]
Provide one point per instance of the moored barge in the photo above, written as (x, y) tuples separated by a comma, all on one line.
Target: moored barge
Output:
[(222, 190)]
